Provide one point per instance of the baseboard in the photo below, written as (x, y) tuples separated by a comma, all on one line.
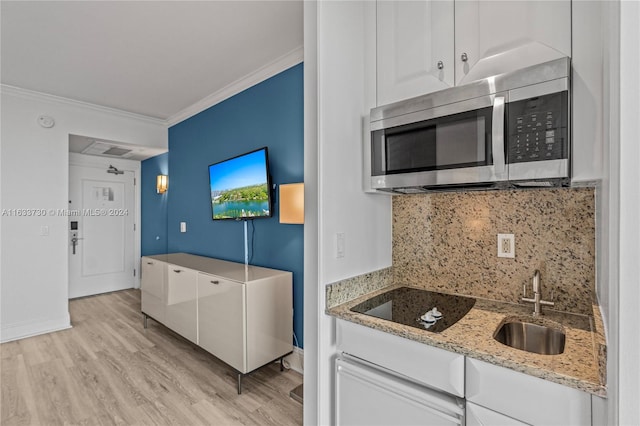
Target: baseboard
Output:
[(33, 328), (295, 361)]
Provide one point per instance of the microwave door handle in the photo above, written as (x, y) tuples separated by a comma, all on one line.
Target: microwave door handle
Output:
[(497, 136)]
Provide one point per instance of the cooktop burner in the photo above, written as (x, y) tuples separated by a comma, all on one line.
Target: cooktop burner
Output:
[(409, 306)]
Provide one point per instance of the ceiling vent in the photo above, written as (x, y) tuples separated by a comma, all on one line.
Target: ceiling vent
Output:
[(101, 148), (119, 152)]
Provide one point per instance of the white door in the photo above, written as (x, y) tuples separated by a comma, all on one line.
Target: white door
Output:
[(101, 208)]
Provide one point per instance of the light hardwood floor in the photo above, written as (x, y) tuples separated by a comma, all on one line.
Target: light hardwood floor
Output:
[(108, 369)]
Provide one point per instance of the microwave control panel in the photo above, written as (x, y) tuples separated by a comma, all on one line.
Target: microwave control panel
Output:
[(537, 128)]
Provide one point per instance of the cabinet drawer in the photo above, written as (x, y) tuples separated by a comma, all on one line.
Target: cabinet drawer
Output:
[(526, 398), (433, 367), (480, 416)]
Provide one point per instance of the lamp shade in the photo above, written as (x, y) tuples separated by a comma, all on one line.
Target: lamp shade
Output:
[(162, 183), (292, 203)]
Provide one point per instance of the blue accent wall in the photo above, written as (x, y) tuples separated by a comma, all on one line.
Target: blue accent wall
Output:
[(268, 114), (154, 206)]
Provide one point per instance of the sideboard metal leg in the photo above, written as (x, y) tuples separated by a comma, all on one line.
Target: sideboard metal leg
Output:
[(145, 319), (281, 363), (239, 383)]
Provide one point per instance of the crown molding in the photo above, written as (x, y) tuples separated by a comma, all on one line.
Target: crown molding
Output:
[(284, 62), (45, 97)]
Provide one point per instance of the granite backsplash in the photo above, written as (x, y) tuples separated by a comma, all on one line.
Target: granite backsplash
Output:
[(448, 242)]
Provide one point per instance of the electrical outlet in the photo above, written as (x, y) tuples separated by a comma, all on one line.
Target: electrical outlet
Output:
[(506, 245)]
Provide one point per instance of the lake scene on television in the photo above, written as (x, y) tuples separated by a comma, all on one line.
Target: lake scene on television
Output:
[(239, 187)]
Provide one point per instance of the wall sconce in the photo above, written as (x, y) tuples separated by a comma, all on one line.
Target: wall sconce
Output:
[(162, 183), (292, 203)]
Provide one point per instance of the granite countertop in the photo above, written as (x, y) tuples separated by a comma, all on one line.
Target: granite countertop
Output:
[(582, 365)]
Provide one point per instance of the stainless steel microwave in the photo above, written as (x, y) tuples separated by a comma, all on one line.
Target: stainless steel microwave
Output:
[(508, 130)]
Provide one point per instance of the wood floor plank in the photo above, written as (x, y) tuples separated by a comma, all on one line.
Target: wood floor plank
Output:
[(9, 349), (24, 388), (109, 370), (13, 409)]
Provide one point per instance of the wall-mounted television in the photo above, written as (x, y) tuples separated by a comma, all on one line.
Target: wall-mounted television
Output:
[(240, 187)]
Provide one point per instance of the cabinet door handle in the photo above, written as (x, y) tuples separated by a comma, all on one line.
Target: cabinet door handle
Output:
[(440, 65), (149, 263), (177, 271), (464, 57), (215, 282)]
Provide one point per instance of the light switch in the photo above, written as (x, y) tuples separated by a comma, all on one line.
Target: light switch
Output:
[(340, 245), (183, 226)]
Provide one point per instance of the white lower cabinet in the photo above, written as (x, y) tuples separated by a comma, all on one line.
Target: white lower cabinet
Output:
[(381, 378), (241, 314), (525, 398), (221, 319)]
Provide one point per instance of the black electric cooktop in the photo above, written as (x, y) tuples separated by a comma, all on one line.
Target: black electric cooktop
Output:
[(406, 305)]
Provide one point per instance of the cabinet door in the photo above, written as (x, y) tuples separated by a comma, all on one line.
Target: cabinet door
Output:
[(153, 283), (413, 38), (221, 319), (182, 304), (502, 36), (500, 389)]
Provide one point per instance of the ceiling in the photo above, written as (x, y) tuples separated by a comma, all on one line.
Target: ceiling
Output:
[(153, 58)]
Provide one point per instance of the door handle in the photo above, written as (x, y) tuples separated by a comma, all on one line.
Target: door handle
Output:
[(74, 243)]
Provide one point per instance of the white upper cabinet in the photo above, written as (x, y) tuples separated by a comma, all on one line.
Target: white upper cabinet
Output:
[(414, 48), (494, 37), (426, 46)]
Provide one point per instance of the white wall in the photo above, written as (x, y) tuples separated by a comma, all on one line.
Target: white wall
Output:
[(619, 209), (345, 92), (607, 225), (629, 212), (34, 175), (312, 297)]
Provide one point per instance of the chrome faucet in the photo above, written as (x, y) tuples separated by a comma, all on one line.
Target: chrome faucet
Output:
[(537, 296)]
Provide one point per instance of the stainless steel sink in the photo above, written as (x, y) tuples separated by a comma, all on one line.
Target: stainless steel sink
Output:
[(530, 337)]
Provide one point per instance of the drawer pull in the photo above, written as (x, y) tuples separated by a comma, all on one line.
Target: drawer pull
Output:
[(149, 263), (177, 271), (215, 282)]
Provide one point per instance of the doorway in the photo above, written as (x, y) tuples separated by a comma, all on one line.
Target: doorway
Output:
[(102, 218)]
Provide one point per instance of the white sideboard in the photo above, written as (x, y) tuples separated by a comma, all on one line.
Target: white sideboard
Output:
[(241, 314)]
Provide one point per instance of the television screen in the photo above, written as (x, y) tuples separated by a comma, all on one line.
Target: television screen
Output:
[(240, 186)]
